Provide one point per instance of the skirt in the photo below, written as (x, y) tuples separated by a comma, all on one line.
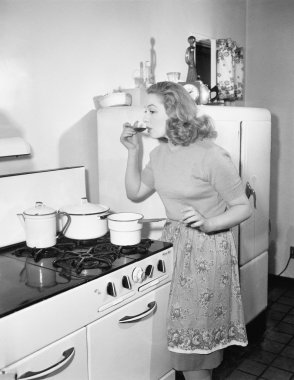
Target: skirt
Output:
[(205, 312)]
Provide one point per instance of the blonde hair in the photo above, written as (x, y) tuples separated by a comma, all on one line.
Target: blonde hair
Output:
[(183, 126)]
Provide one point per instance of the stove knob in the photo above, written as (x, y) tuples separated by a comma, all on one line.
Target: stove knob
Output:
[(161, 266), (111, 289), (149, 271), (126, 283), (138, 274)]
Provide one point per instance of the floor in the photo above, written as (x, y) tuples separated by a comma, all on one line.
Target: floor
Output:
[(270, 352)]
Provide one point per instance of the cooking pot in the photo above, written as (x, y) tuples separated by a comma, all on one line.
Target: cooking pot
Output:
[(40, 225), (87, 220), (125, 228)]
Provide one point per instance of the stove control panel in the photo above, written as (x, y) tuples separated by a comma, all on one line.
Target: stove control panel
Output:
[(132, 281), (138, 274), (149, 271), (126, 282), (161, 266), (111, 289)]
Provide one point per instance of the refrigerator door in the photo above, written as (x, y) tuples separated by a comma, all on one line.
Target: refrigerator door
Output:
[(256, 177)]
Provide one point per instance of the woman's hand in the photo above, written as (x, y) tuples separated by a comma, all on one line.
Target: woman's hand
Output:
[(194, 219), (129, 137)]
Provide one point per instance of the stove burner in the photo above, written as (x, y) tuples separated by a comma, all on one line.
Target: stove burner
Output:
[(140, 248), (42, 253), (100, 256), (84, 257), (84, 260)]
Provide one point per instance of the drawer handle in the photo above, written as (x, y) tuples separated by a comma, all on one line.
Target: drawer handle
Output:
[(152, 306), (58, 367)]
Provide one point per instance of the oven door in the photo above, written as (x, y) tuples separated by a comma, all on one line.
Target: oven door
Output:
[(130, 342), (65, 359)]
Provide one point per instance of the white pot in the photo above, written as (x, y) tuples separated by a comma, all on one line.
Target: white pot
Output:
[(125, 228), (40, 224), (87, 220)]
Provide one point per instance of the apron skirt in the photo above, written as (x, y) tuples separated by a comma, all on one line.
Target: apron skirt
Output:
[(205, 312)]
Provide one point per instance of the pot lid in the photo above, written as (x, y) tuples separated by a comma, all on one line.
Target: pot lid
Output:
[(85, 208), (39, 209)]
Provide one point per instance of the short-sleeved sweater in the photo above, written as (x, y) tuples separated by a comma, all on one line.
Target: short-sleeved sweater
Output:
[(201, 175)]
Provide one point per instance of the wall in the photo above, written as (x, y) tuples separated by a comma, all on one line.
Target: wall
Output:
[(56, 55), (270, 82)]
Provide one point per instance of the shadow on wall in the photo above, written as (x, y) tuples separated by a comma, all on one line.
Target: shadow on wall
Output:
[(8, 128), (275, 155), (78, 147), (18, 164)]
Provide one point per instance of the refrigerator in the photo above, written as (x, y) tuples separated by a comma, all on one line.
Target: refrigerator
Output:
[(246, 134)]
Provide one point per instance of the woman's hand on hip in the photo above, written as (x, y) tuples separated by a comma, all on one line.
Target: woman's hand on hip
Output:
[(129, 137), (194, 219)]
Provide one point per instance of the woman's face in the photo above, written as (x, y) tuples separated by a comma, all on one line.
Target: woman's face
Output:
[(155, 116)]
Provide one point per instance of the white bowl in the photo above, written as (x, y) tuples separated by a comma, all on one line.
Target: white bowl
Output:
[(113, 100)]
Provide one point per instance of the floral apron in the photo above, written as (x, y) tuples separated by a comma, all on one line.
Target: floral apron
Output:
[(205, 310)]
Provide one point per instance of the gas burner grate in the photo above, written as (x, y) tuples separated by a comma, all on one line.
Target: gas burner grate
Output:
[(83, 260), (140, 248), (42, 253)]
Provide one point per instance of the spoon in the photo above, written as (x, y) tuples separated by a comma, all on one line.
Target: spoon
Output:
[(139, 126), (139, 129)]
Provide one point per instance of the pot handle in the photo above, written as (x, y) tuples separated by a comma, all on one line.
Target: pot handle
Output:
[(65, 227), (104, 216), (141, 221)]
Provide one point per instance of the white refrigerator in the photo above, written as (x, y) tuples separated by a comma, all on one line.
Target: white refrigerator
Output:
[(246, 134)]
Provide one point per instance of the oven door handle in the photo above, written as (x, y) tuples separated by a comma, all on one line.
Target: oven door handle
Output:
[(54, 369), (152, 306)]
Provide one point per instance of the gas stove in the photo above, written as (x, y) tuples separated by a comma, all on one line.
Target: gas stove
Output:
[(58, 303), (53, 286), (34, 274)]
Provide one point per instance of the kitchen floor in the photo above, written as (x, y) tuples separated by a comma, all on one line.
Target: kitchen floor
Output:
[(270, 352)]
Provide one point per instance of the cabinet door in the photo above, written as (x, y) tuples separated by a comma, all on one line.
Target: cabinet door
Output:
[(65, 359), (135, 350)]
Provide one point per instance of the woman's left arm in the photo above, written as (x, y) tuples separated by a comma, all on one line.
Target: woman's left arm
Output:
[(239, 209)]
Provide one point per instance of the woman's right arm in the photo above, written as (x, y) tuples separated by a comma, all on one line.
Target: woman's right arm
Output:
[(135, 188)]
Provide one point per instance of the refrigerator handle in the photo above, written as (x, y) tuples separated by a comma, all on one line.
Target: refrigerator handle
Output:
[(250, 191)]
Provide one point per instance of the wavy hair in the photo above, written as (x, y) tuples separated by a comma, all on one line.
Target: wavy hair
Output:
[(183, 126)]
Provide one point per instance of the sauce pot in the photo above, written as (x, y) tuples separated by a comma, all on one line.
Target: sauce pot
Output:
[(40, 225), (87, 220), (125, 228)]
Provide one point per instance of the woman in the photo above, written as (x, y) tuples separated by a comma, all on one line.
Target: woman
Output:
[(203, 197)]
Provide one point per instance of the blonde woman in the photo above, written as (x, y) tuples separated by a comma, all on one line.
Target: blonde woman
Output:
[(204, 198)]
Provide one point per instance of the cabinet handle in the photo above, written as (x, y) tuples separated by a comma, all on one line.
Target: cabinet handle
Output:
[(55, 368), (152, 306), (250, 191)]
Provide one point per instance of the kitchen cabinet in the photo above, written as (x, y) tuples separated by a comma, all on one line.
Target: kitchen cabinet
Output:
[(65, 359)]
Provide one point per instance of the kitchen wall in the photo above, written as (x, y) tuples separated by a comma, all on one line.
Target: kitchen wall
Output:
[(270, 83), (56, 55)]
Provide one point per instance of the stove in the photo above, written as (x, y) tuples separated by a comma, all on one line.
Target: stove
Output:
[(34, 274), (68, 310)]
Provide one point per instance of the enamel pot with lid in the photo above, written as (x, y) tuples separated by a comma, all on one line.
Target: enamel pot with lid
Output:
[(87, 220), (40, 225)]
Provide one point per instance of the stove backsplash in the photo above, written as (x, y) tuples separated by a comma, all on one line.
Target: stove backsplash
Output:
[(55, 188)]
